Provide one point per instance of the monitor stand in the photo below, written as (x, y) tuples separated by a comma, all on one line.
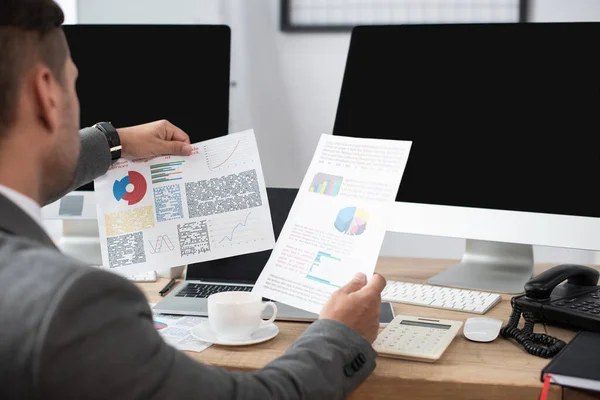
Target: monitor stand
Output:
[(490, 266), (80, 239)]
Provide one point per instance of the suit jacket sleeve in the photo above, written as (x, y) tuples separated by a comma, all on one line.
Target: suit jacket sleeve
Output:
[(101, 343), (94, 160)]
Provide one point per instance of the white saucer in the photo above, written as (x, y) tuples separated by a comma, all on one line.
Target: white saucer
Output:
[(205, 333)]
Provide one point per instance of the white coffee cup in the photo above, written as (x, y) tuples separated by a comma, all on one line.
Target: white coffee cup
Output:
[(237, 315)]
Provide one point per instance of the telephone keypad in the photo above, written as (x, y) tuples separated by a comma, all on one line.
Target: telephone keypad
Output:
[(589, 303)]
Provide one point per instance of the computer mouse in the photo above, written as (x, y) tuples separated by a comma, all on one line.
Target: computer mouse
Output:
[(482, 329)]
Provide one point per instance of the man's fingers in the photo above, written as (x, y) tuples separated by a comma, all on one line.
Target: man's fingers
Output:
[(359, 281), (177, 134), (178, 148), (376, 284)]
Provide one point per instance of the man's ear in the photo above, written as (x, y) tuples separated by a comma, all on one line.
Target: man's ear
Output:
[(46, 91)]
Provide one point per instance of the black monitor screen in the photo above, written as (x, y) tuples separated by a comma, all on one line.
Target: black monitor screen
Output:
[(133, 74), (501, 116)]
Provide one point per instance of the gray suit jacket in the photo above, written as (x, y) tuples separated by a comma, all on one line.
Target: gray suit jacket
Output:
[(68, 331)]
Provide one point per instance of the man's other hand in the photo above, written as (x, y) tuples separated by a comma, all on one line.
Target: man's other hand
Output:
[(357, 305), (154, 139)]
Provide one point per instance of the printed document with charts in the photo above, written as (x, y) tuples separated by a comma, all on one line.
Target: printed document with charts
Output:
[(337, 223), (171, 210), (176, 330)]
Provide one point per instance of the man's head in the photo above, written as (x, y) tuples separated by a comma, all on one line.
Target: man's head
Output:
[(39, 109)]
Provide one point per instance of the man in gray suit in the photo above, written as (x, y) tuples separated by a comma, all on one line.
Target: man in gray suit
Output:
[(69, 331)]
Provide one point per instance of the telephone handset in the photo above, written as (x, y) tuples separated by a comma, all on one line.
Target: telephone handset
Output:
[(578, 278), (573, 305)]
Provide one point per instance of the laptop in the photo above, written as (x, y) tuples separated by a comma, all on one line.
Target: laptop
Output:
[(233, 273)]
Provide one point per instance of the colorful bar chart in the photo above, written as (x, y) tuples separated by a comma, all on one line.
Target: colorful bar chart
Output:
[(165, 172), (328, 185)]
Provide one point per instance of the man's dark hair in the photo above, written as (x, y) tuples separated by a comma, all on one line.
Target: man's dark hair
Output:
[(29, 33)]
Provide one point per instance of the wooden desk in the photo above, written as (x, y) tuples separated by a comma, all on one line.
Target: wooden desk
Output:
[(467, 370)]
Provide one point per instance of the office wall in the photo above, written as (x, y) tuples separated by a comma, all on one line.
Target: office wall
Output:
[(147, 11), (69, 8), (287, 86), (565, 11)]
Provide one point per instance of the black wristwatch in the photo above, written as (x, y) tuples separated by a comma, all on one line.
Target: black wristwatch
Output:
[(112, 136)]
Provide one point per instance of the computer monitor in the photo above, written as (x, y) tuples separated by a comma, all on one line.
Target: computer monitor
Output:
[(134, 74), (72, 222), (503, 120)]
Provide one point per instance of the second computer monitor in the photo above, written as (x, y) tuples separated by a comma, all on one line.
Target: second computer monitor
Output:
[(134, 74), (504, 124)]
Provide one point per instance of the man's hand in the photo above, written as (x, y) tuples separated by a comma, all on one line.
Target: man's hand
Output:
[(154, 139), (357, 305)]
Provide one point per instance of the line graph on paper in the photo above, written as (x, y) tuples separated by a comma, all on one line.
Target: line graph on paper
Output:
[(227, 154), (235, 229), (239, 224), (161, 244)]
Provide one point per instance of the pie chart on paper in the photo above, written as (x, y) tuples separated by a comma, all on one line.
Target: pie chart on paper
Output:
[(134, 196), (158, 325), (352, 221)]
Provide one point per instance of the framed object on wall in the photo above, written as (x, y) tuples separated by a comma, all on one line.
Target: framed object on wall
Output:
[(343, 15)]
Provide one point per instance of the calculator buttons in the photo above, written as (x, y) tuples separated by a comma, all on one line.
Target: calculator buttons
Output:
[(416, 338)]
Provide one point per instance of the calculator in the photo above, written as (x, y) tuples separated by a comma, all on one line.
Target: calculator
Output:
[(416, 338)]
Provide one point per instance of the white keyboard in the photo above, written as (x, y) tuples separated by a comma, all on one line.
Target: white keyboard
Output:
[(465, 300)]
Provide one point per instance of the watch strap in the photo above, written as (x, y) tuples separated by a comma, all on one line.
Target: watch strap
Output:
[(112, 137)]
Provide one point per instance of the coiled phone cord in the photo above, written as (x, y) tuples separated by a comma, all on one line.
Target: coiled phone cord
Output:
[(538, 344)]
